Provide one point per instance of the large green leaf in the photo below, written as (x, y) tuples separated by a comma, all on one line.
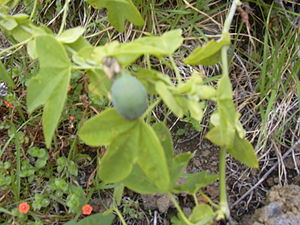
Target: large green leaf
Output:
[(243, 151), (54, 65), (193, 182), (138, 181), (54, 107), (95, 219), (127, 53), (50, 86), (152, 159), (176, 164), (165, 138), (120, 156), (104, 127), (5, 77), (165, 44), (119, 11), (208, 54)]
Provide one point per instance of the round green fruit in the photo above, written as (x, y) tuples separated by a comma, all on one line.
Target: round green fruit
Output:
[(129, 96)]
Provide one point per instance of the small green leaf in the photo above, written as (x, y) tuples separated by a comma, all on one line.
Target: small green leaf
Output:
[(119, 11), (206, 92), (195, 108), (224, 90), (117, 162), (243, 151), (207, 55), (104, 127), (5, 77), (179, 164), (70, 35), (79, 44), (149, 77), (8, 23), (31, 49), (118, 193), (193, 182), (169, 99), (202, 214), (239, 127), (40, 163), (214, 135)]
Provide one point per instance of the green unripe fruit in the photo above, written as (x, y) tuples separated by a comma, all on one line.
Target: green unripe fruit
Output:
[(129, 96)]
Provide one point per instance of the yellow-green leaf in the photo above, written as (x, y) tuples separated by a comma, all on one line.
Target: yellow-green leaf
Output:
[(119, 11), (243, 151), (152, 159), (208, 54), (120, 156), (104, 127)]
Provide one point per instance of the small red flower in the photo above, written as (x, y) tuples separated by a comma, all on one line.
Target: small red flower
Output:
[(9, 105), (71, 118), (87, 209), (24, 207)]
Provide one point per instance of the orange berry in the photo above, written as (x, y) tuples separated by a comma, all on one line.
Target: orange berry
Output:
[(9, 105), (87, 209), (24, 207)]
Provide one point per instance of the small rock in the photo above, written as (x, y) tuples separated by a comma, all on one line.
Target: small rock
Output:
[(187, 211), (157, 201), (283, 207)]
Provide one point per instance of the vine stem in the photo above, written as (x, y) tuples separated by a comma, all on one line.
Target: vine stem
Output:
[(63, 23), (177, 74), (15, 46), (224, 208), (151, 107), (230, 15), (179, 210), (33, 10), (120, 215)]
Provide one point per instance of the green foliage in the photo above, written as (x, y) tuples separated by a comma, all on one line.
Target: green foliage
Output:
[(127, 53), (119, 11), (209, 54), (5, 77), (41, 154), (104, 128), (138, 155), (191, 183), (49, 87), (40, 201), (104, 219)]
